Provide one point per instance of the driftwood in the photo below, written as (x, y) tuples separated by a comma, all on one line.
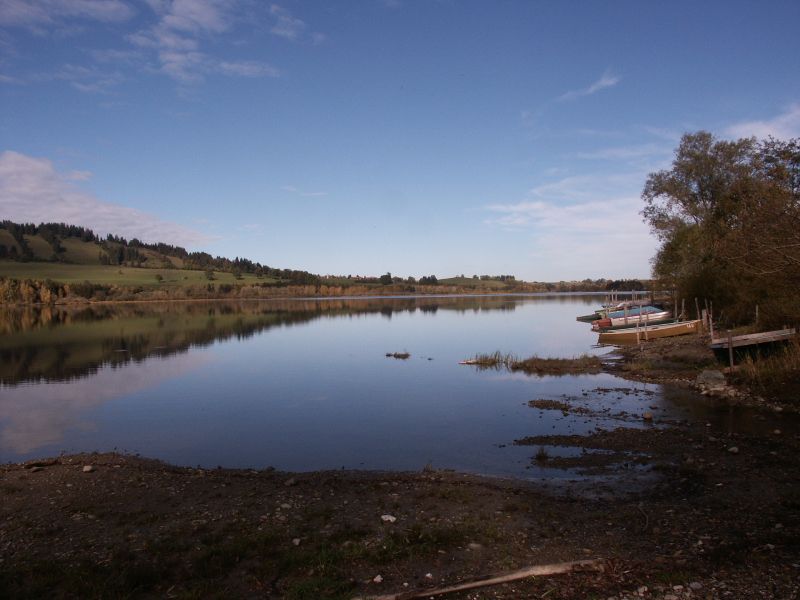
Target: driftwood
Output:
[(534, 571)]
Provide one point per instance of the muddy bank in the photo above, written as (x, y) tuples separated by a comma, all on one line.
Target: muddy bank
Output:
[(715, 511), (687, 361)]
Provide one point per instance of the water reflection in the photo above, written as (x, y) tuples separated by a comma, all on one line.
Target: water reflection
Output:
[(35, 416), (299, 385), (61, 343)]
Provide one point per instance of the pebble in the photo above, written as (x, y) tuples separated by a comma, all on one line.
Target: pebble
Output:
[(648, 416), (290, 482), (733, 450), (696, 585), (88, 469), (388, 518), (296, 541), (670, 597), (377, 579), (474, 546), (428, 576), (36, 469)]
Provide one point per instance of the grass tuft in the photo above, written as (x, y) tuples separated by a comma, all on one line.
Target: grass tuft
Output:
[(585, 363)]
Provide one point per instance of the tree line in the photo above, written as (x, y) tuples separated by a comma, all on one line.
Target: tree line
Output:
[(727, 216)]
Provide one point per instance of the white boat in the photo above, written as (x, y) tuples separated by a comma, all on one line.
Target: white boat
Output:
[(632, 318)]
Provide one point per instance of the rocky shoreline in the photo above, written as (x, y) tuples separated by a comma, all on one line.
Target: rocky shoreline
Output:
[(672, 510)]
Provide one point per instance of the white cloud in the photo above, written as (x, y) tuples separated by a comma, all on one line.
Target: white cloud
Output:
[(176, 39), (606, 81), (587, 226), (117, 56), (247, 69), (286, 25), (626, 152), (783, 127), (40, 15), (293, 190), (670, 135), (31, 190), (84, 79)]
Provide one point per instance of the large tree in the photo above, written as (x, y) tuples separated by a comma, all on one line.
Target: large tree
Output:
[(727, 215)]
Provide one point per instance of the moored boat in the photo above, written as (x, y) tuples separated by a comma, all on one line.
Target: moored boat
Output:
[(603, 311), (631, 317), (667, 318), (640, 333)]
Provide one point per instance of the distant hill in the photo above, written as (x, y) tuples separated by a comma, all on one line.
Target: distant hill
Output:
[(84, 264), (71, 244)]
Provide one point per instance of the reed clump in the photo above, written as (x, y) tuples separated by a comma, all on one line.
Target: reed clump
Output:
[(585, 363)]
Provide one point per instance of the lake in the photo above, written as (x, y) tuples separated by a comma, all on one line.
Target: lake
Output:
[(305, 384)]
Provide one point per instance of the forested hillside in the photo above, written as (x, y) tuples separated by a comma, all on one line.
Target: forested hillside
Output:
[(71, 244)]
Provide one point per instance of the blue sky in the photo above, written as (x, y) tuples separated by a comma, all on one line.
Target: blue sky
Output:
[(365, 136)]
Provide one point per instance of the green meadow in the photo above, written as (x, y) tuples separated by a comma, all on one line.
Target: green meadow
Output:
[(118, 275)]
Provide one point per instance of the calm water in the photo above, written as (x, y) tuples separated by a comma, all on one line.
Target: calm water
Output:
[(301, 385)]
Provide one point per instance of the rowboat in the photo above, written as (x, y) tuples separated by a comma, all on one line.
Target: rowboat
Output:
[(634, 335), (751, 344), (603, 311), (631, 317), (667, 318)]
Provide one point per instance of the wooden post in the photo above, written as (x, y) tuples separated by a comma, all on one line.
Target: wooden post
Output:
[(646, 322), (730, 348), (697, 307), (704, 320), (711, 319), (756, 314), (683, 308)]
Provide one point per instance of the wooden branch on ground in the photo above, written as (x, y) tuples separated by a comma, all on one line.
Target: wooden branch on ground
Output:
[(596, 565)]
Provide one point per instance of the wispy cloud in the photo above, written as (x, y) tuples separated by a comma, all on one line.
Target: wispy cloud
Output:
[(31, 187), (293, 190), (578, 224), (89, 79), (176, 40), (606, 81), (786, 125), (626, 152), (41, 16), (247, 68), (286, 25), (670, 135)]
